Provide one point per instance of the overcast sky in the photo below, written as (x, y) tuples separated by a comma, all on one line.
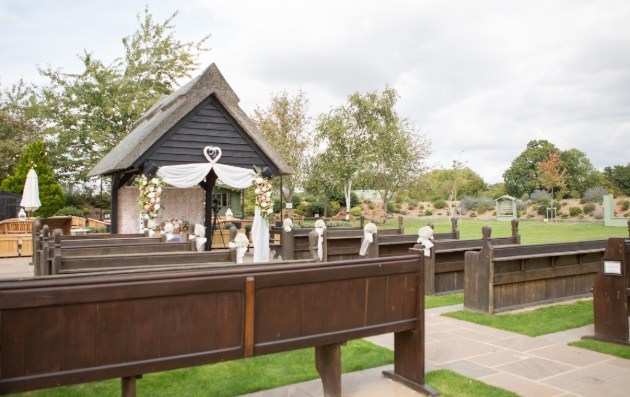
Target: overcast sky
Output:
[(482, 77)]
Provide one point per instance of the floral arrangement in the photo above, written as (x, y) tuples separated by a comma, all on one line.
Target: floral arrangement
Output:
[(425, 233), (179, 225), (152, 224), (263, 190), (241, 241), (288, 224), (149, 197), (169, 228), (200, 230), (320, 224), (370, 228)]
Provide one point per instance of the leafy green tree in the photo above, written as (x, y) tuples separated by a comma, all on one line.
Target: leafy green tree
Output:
[(285, 125), (619, 177), (90, 112), (581, 174), (50, 192), (321, 180), (19, 124), (519, 177)]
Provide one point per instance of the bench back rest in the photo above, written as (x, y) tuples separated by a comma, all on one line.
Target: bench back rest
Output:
[(611, 292), (123, 249), (157, 322)]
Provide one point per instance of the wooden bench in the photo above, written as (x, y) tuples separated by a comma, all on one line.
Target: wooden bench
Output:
[(611, 294), (146, 323), (452, 235), (444, 269), (514, 276)]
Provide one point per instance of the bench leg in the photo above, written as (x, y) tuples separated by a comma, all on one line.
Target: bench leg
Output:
[(128, 386), (328, 364), (409, 362)]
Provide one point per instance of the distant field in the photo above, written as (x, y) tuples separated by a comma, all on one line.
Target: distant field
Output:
[(532, 232)]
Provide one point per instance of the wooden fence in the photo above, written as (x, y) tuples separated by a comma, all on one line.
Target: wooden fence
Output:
[(147, 323), (444, 268), (611, 294), (515, 276)]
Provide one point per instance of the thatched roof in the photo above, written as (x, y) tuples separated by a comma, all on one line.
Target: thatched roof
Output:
[(169, 110)]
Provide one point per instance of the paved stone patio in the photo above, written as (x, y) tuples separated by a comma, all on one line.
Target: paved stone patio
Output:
[(15, 267)]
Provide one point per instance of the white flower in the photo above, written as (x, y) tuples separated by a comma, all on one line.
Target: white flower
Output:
[(151, 195), (320, 224), (370, 228), (269, 211), (200, 231), (287, 222), (425, 232), (241, 241), (157, 207), (157, 199), (152, 200), (151, 224), (257, 191), (159, 189), (268, 195), (144, 182), (150, 188), (147, 206), (259, 180), (155, 181), (263, 205), (168, 228)]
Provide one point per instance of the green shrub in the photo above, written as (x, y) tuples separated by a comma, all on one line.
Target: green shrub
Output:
[(556, 205), (228, 225), (101, 229), (337, 223), (582, 201), (574, 194), (355, 211), (589, 208), (473, 215), (542, 210), (468, 203), (333, 208), (564, 203), (482, 209), (581, 217), (521, 205), (598, 213), (439, 204), (525, 197), (298, 212), (563, 215), (575, 211), (428, 212), (303, 208), (390, 207), (421, 207), (412, 204), (95, 200), (296, 200), (518, 214), (368, 201), (544, 200), (72, 200), (538, 196), (70, 210), (315, 208), (625, 205), (398, 207), (595, 194), (341, 199), (530, 215), (371, 205), (403, 212)]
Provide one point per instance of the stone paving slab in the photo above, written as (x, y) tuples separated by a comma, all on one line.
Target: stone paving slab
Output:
[(15, 267)]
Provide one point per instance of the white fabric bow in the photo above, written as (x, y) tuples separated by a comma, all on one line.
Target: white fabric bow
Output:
[(368, 238), (427, 244), (320, 242)]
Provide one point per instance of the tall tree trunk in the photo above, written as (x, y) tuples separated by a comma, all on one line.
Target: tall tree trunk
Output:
[(347, 190)]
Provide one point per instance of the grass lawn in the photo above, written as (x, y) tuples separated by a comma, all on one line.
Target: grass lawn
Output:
[(602, 347), (544, 320), (532, 232), (451, 384), (233, 378), (443, 300)]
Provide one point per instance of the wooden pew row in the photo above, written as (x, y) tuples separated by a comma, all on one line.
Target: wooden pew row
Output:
[(452, 235), (147, 323), (500, 278), (611, 294), (444, 268)]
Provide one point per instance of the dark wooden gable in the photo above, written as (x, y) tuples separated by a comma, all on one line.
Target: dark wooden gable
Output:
[(209, 124)]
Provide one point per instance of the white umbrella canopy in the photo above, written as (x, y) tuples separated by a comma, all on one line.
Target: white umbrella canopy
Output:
[(30, 196)]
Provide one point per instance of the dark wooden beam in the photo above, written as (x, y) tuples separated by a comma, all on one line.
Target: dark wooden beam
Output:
[(211, 179), (114, 214)]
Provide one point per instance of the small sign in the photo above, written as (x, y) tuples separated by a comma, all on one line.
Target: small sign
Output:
[(289, 206), (612, 268)]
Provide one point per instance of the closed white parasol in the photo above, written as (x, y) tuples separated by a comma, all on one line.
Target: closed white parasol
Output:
[(30, 196)]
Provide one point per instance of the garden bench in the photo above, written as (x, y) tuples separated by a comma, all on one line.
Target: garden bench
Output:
[(611, 294), (146, 323), (500, 278), (444, 268)]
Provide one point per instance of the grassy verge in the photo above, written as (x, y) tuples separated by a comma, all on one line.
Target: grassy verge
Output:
[(544, 320), (233, 378), (602, 347), (532, 232), (451, 384), (444, 300)]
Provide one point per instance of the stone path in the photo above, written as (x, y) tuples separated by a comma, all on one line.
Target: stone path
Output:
[(15, 267), (531, 367)]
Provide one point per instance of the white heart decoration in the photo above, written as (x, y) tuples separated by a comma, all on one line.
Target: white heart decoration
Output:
[(212, 150)]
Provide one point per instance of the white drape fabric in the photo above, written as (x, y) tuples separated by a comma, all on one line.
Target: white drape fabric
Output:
[(240, 253), (201, 243), (30, 195), (189, 175), (368, 238), (427, 244), (260, 238), (320, 242)]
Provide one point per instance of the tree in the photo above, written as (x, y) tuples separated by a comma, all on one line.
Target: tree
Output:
[(518, 178), (549, 175), (90, 112), (619, 177), (321, 180), (50, 193), (285, 125), (581, 174), (19, 125)]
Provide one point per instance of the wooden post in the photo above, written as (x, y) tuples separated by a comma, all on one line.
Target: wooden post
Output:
[(401, 229), (372, 251), (328, 364), (128, 386), (628, 228), (517, 237), (363, 221), (313, 238), (287, 252), (114, 198), (44, 267), (56, 265), (35, 229), (409, 346), (478, 277), (429, 271), (248, 335), (211, 179), (454, 228)]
